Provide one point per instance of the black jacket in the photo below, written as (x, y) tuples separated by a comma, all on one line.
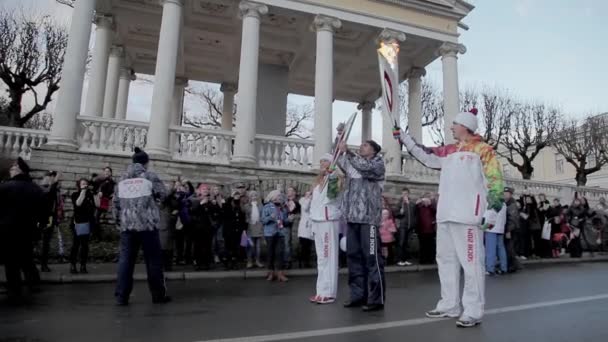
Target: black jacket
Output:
[(203, 215), (22, 207), (235, 220), (407, 216)]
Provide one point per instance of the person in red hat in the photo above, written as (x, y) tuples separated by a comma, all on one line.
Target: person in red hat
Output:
[(470, 196)]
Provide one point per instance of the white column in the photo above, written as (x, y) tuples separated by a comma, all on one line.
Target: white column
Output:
[(164, 78), (63, 131), (391, 147), (111, 93), (229, 90), (244, 144), (126, 76), (177, 109), (366, 119), (414, 115), (451, 100), (99, 66), (324, 84)]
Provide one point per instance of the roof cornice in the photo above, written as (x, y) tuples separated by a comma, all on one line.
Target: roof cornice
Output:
[(454, 9)]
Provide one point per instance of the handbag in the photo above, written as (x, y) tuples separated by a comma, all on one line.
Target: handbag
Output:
[(82, 229), (546, 233)]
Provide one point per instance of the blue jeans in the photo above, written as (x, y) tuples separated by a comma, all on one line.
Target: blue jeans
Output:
[(130, 241), (495, 244)]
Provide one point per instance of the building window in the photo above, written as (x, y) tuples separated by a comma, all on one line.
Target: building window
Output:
[(559, 166)]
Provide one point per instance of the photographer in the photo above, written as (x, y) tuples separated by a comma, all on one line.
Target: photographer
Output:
[(85, 203)]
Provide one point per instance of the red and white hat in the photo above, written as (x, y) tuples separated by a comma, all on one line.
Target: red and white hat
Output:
[(468, 119)]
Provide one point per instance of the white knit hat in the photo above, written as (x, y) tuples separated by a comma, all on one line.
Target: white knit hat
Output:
[(327, 157), (468, 119)]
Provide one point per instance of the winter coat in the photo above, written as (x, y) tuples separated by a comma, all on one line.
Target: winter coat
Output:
[(22, 208), (136, 198), (53, 204), (85, 212), (543, 211), (512, 216), (387, 231), (408, 216), (169, 209), (426, 219), (532, 222), (322, 208), (362, 197), (577, 216), (254, 230), (271, 224), (235, 220), (501, 221), (471, 179), (203, 215)]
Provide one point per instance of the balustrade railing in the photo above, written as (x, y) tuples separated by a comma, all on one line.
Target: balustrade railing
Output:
[(284, 153), (111, 136), (201, 145), (19, 142)]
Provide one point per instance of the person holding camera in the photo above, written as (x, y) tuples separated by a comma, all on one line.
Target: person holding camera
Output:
[(85, 202)]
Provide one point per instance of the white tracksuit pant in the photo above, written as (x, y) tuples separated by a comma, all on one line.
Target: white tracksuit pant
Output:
[(460, 245), (327, 244)]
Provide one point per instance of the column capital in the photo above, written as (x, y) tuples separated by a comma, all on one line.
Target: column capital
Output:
[(104, 20), (127, 73), (451, 49), (227, 87), (176, 2), (117, 51), (181, 81), (416, 72), (252, 9), (325, 23), (366, 106), (388, 35)]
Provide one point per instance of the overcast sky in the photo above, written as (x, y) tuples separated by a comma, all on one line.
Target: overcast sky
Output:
[(552, 51)]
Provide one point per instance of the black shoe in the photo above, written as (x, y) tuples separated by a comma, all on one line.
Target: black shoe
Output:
[(354, 304), (83, 269), (162, 300), (121, 302), (373, 307), (45, 268), (73, 269)]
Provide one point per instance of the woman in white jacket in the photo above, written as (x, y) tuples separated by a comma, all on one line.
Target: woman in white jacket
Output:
[(325, 216)]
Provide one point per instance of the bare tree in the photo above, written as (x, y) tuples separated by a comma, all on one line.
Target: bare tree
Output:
[(468, 99), (31, 57), (584, 144), (430, 112), (496, 110), (297, 118), (532, 126)]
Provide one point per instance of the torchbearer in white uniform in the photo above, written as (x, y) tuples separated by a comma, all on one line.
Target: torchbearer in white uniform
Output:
[(470, 183), (325, 217)]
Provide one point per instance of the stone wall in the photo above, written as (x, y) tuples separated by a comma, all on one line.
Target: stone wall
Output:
[(74, 165)]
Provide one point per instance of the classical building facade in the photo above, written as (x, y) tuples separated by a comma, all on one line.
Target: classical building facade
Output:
[(259, 51)]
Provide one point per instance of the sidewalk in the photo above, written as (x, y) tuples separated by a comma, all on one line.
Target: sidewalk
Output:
[(104, 273)]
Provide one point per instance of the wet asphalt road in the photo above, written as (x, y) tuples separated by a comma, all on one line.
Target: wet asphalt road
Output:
[(565, 303)]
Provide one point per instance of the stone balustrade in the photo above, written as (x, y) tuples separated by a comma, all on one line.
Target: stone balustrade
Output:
[(19, 142), (284, 153), (201, 145), (101, 135)]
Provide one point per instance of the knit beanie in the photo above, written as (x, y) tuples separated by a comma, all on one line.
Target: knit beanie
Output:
[(140, 157), (467, 119)]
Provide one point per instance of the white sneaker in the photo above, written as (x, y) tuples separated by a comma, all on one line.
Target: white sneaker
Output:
[(439, 314), (404, 263), (216, 259), (467, 322)]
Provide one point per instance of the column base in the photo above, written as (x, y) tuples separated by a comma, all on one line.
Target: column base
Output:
[(157, 153), (243, 160)]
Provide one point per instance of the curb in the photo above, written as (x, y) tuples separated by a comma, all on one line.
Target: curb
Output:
[(260, 274)]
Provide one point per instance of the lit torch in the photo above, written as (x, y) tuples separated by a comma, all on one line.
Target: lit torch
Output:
[(389, 77)]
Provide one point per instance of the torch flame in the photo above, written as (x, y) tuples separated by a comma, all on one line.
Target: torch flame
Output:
[(390, 51)]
